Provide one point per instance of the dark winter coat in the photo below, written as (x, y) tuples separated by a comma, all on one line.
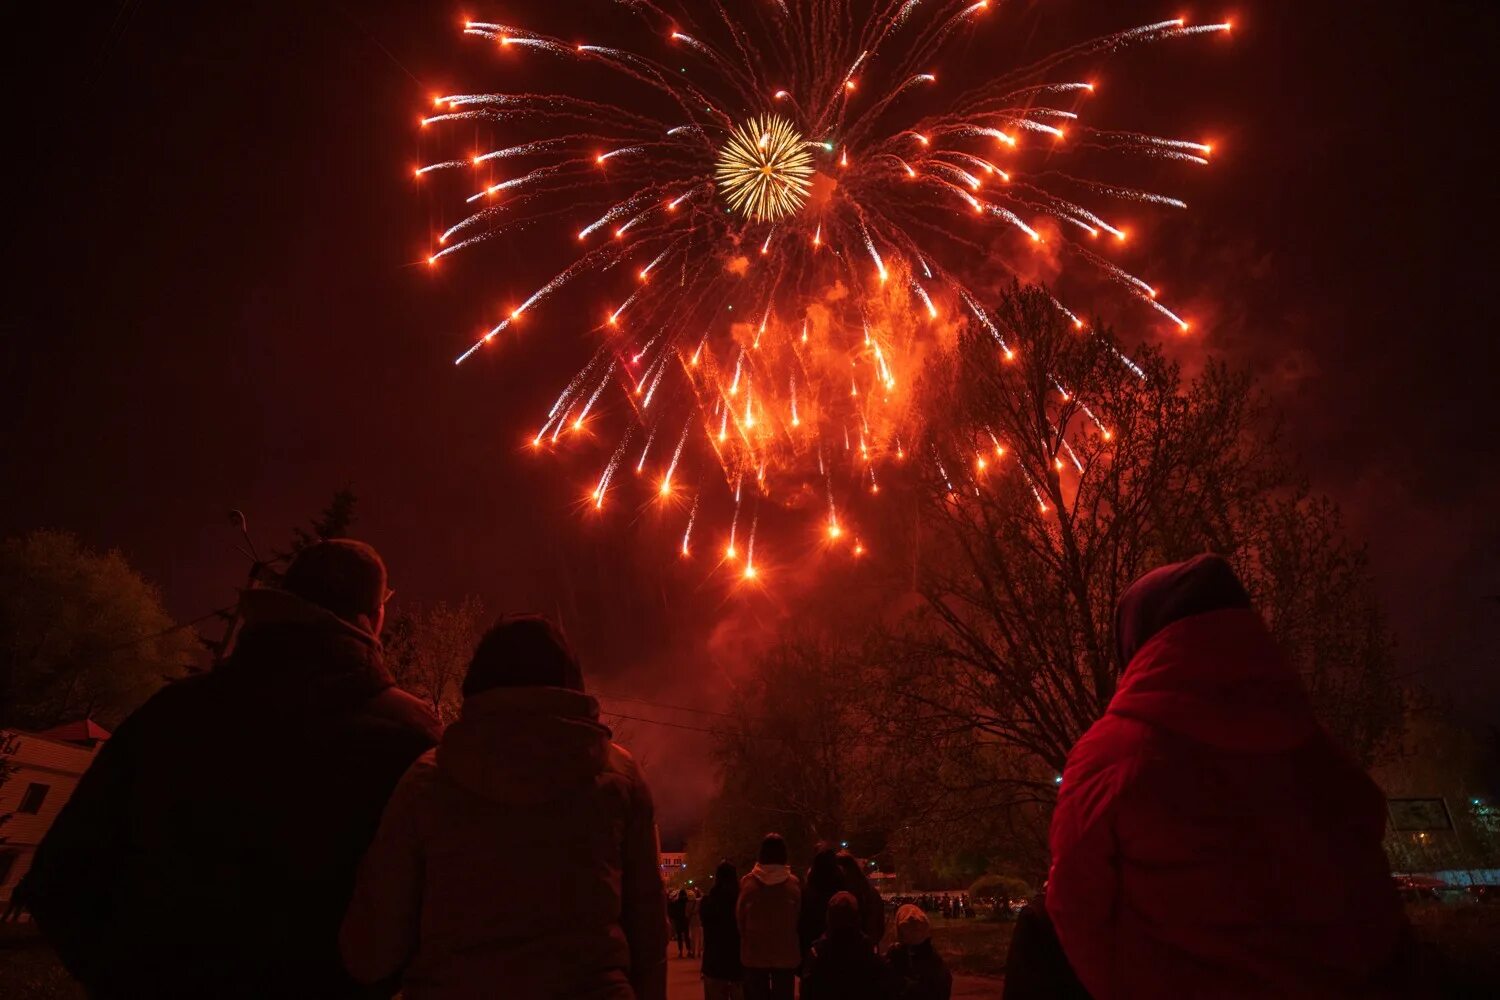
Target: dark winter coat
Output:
[(211, 848), (677, 911), (1211, 841), (721, 935), (1035, 966), (920, 972), (519, 859), (843, 966), (824, 880)]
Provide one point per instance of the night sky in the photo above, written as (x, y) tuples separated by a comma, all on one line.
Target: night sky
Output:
[(214, 298)]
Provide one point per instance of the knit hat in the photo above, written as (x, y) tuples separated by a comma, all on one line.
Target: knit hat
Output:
[(341, 575), (843, 912), (1179, 590), (912, 927), (772, 850), (523, 651)]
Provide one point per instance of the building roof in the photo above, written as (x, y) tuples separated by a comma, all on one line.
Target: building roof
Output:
[(81, 731)]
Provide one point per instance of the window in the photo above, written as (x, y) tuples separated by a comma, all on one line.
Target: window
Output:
[(36, 794)]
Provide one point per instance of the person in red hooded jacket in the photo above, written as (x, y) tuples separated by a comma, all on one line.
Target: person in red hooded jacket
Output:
[(1210, 840)]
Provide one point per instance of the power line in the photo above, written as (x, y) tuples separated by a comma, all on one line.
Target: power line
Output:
[(672, 708)]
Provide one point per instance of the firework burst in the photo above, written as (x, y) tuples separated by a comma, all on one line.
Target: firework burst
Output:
[(764, 170), (781, 227)]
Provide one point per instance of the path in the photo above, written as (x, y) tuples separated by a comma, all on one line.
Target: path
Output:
[(683, 983)]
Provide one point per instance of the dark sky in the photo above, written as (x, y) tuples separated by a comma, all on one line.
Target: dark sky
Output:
[(211, 301)]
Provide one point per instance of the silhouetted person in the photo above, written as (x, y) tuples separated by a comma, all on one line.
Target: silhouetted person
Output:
[(211, 848), (871, 906), (677, 913), (843, 965), (519, 858), (723, 975), (1210, 840), (767, 910), (824, 881), (695, 923), (920, 971), (1035, 966)]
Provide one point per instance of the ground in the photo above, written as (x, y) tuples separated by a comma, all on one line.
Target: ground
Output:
[(1460, 957), (683, 983)]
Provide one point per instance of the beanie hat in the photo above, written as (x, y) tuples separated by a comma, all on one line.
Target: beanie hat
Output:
[(523, 651), (772, 850), (340, 575), (843, 912)]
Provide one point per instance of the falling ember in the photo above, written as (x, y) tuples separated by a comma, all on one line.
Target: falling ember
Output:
[(697, 200), (687, 534)]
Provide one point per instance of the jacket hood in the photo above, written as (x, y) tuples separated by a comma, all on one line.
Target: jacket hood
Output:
[(304, 655), (525, 744), (1220, 680), (770, 874)]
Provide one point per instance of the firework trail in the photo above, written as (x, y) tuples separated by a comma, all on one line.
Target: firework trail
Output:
[(741, 202)]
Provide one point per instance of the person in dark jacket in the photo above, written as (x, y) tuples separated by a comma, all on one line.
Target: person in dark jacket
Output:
[(677, 912), (211, 848), (920, 971), (823, 882), (1210, 840), (723, 976), (871, 906), (1035, 966), (843, 964), (519, 858)]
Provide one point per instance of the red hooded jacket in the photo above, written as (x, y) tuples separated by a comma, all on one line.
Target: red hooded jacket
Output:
[(1211, 841)]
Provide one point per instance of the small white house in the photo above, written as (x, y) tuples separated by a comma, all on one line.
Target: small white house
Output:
[(43, 769)]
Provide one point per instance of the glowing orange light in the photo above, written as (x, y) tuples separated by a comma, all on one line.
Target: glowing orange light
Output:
[(1109, 435), (750, 572), (834, 530), (666, 487), (431, 260)]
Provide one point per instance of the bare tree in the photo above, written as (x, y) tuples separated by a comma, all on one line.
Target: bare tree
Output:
[(428, 649), (1066, 470)]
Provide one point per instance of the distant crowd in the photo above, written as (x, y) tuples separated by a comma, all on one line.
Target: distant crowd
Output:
[(764, 932), (292, 824)]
